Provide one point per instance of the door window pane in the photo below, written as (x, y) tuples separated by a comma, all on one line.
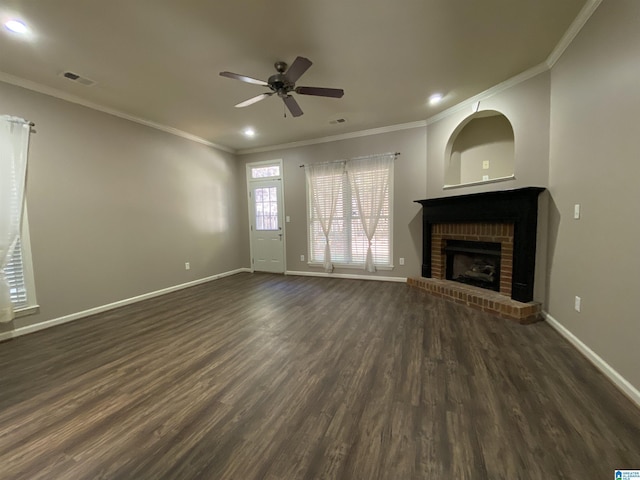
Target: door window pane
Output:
[(266, 208), (265, 172)]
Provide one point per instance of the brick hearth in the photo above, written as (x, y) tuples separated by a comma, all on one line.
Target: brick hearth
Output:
[(499, 304), (480, 299)]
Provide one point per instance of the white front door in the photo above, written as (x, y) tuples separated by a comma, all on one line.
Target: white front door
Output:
[(267, 235)]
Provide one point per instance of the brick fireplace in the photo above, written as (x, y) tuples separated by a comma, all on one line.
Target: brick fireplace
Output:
[(498, 233), (504, 219)]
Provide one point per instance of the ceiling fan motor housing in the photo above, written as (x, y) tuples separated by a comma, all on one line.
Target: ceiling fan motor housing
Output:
[(279, 83)]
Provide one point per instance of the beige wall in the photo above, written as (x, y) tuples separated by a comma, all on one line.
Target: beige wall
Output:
[(483, 139), (117, 208), (409, 185), (595, 161), (526, 106)]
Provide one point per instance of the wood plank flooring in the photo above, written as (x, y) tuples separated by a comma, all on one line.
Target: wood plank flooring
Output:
[(259, 376)]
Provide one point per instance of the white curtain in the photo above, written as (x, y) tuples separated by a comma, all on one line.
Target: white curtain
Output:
[(370, 178), (324, 183), (14, 145)]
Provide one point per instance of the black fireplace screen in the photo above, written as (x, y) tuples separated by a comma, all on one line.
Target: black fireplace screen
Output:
[(473, 263)]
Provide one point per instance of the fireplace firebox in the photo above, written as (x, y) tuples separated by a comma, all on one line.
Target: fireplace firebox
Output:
[(473, 263)]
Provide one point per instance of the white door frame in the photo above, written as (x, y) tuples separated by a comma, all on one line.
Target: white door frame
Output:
[(250, 182)]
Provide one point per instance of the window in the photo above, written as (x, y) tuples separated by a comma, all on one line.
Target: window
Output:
[(14, 273), (347, 237), (267, 171), (19, 274), (266, 208)]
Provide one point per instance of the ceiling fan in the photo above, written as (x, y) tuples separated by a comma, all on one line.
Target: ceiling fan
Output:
[(283, 84)]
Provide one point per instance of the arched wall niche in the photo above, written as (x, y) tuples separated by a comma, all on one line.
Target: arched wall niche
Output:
[(480, 150)]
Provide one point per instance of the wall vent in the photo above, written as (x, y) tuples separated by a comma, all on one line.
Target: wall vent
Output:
[(74, 77)]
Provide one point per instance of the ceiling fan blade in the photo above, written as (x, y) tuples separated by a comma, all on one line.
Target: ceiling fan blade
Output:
[(244, 78), (253, 100), (321, 92), (292, 105), (297, 68)]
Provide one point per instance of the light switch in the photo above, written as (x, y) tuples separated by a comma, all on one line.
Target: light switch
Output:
[(288, 218), (485, 164), (576, 211)]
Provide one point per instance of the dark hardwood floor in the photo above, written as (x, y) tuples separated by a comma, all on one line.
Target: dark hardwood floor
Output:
[(271, 377)]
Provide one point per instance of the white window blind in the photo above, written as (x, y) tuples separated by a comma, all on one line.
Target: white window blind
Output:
[(14, 270), (347, 238), (14, 273)]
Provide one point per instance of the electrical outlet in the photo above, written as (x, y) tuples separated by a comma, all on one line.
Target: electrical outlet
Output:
[(302, 258), (401, 260), (485, 178), (187, 266), (577, 304)]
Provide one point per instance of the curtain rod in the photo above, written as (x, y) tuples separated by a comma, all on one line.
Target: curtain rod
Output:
[(395, 154), (19, 120)]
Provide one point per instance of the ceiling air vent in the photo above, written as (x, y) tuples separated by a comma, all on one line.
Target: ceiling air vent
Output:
[(78, 79)]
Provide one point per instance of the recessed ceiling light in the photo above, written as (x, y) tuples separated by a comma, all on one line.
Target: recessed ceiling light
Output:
[(16, 26), (435, 99), (249, 132)]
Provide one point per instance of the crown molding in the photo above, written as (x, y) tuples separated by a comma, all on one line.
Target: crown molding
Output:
[(511, 82), (553, 57), (54, 92), (574, 29), (335, 138)]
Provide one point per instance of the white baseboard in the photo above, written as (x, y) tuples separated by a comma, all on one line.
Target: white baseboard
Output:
[(347, 275), (120, 303), (618, 380)]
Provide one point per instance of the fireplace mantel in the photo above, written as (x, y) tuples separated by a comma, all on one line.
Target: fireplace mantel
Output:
[(518, 206)]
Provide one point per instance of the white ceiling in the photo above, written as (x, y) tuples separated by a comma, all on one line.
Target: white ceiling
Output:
[(159, 60)]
